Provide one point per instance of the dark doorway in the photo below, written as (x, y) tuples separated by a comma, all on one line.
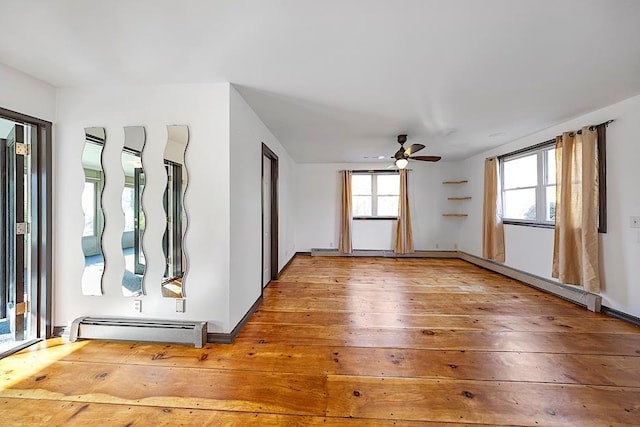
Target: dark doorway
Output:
[(269, 216)]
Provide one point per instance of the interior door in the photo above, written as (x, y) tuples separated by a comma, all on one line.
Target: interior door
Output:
[(266, 220), (16, 228)]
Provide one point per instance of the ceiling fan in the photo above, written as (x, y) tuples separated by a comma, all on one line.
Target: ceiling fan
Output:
[(403, 155)]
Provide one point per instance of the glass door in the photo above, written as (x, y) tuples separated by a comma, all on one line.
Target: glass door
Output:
[(17, 323), (25, 225)]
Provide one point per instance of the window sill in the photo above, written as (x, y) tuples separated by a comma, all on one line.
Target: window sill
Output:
[(385, 218), (528, 224)]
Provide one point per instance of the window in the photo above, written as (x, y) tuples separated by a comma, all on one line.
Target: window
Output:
[(528, 179), (375, 195), (529, 186)]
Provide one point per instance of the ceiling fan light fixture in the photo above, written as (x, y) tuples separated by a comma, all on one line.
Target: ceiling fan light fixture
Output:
[(402, 163)]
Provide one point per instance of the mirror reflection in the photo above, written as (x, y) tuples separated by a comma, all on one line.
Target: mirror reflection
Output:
[(93, 214), (172, 242), (134, 219)]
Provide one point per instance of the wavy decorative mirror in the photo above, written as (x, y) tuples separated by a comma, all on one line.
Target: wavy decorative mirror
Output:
[(134, 219), (172, 242), (95, 138)]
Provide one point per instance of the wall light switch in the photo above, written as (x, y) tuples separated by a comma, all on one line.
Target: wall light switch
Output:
[(635, 222), (137, 305), (179, 306)]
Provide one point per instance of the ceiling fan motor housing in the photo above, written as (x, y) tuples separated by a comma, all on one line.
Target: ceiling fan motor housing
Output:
[(408, 153), (400, 153)]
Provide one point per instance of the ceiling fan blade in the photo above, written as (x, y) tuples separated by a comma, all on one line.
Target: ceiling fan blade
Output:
[(413, 149), (426, 158), (392, 166)]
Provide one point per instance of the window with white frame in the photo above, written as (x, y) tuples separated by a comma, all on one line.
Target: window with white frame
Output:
[(529, 186), (375, 195)]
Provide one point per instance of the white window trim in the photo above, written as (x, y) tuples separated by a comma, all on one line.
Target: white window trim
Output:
[(374, 195), (540, 187)]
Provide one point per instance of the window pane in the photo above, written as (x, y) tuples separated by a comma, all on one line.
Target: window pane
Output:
[(520, 204), (387, 205), (128, 208), (89, 208), (388, 184), (521, 172), (550, 208), (361, 205), (361, 184), (551, 166)]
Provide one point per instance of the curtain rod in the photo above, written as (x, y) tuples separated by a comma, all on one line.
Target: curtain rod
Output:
[(550, 141), (594, 127), (372, 170)]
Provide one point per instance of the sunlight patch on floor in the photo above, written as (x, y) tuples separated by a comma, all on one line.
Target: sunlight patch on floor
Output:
[(19, 366)]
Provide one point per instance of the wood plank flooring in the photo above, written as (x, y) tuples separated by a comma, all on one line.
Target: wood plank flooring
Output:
[(353, 341)]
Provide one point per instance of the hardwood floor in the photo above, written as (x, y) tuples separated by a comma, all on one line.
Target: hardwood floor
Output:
[(353, 341)]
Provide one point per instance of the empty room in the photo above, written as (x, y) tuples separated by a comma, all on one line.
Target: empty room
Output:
[(297, 212)]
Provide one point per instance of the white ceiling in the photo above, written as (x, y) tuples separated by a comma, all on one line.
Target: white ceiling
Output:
[(336, 80)]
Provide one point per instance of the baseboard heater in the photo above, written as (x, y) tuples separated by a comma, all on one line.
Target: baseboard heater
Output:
[(151, 330), (578, 296)]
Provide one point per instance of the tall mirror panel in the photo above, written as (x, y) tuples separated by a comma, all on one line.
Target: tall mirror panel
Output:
[(172, 242), (95, 138), (134, 219)]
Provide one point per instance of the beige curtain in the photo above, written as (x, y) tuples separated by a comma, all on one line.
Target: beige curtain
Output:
[(492, 227), (346, 217), (404, 235), (575, 249)]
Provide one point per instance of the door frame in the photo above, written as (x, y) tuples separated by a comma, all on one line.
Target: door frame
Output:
[(268, 153), (41, 225), (14, 205)]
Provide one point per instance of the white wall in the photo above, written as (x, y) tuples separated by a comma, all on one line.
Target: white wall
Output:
[(318, 204), (247, 134), (25, 94), (205, 109), (530, 249)]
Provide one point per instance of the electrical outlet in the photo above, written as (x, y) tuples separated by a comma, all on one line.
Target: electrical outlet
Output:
[(179, 306), (330, 244), (437, 245), (455, 246), (635, 222), (137, 305)]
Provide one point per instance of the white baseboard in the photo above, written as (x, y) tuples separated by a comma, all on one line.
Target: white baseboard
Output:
[(383, 253)]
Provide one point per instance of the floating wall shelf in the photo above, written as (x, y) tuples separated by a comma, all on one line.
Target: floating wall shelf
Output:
[(456, 199)]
